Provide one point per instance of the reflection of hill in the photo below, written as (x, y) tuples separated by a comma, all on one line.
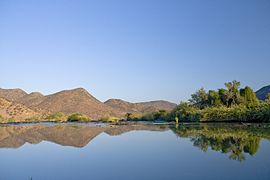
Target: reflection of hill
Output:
[(118, 130), (66, 134), (234, 140)]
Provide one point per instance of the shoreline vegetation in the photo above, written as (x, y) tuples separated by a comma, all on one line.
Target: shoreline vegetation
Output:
[(223, 105)]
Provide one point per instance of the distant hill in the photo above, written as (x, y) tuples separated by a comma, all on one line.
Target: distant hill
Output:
[(140, 108), (263, 92), (72, 101)]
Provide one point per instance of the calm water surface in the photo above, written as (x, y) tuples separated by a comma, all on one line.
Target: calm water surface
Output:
[(138, 151)]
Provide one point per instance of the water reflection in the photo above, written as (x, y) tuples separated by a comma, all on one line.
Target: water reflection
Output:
[(76, 135), (232, 139)]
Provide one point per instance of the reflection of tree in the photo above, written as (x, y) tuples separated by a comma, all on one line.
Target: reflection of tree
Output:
[(231, 140), (233, 146)]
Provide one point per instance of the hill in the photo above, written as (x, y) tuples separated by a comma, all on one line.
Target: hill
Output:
[(76, 100), (13, 110), (263, 92), (31, 100), (140, 108), (71, 101), (12, 94)]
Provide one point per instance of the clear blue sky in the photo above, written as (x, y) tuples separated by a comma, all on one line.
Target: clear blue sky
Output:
[(136, 50)]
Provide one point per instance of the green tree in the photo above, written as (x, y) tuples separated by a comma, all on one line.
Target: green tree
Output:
[(248, 96), (186, 112), (222, 96), (199, 99), (232, 94), (129, 116), (214, 98), (161, 115)]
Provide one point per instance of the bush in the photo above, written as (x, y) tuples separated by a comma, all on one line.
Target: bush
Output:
[(110, 119), (161, 115), (148, 117), (239, 113), (32, 119), (186, 112), (78, 117), (56, 117)]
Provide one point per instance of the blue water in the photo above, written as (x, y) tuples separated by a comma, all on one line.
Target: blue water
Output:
[(140, 154)]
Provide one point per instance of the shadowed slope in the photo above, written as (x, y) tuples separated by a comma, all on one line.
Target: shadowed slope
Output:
[(263, 92)]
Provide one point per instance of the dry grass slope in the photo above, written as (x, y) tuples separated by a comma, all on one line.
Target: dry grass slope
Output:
[(13, 110)]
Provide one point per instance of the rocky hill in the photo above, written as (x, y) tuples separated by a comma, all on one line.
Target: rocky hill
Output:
[(263, 92)]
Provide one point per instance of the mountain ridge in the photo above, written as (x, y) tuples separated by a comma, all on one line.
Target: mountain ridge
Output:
[(78, 100)]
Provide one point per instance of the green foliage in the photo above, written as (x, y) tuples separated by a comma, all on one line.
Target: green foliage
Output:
[(110, 119), (233, 140), (148, 117), (214, 98), (199, 99), (268, 98), (232, 94), (161, 115), (59, 116), (176, 120), (32, 119), (11, 120), (224, 105), (78, 117), (186, 112), (238, 113), (1, 118), (132, 117), (248, 96), (222, 95), (217, 106)]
